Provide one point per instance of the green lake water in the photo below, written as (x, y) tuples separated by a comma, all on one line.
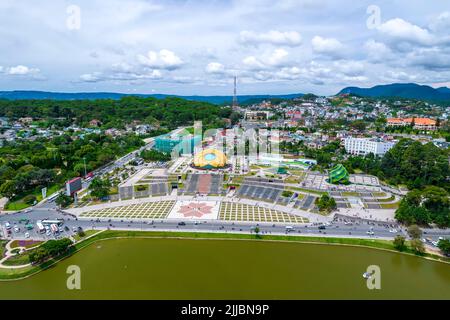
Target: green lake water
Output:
[(216, 269)]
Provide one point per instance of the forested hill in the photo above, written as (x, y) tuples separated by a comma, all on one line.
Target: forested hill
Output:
[(401, 90), (42, 95), (170, 112)]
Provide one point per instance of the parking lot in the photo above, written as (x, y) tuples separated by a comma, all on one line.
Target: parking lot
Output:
[(27, 229), (243, 212)]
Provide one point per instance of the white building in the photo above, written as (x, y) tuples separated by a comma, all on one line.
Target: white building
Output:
[(364, 146)]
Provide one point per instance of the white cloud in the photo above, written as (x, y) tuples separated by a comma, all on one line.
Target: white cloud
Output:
[(441, 22), (164, 59), (22, 70), (287, 38), (377, 51), (402, 30), (350, 68), (395, 75), (429, 58), (215, 68), (328, 46), (90, 77), (121, 76), (273, 59)]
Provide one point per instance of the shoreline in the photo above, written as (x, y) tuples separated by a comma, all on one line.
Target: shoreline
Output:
[(102, 235)]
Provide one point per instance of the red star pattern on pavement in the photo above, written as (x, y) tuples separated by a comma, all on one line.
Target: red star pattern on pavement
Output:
[(195, 210)]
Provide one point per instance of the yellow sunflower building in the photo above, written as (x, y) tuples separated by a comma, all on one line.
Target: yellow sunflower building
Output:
[(210, 159)]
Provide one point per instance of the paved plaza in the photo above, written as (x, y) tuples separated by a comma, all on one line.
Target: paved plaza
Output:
[(202, 210), (146, 210), (359, 183), (230, 211)]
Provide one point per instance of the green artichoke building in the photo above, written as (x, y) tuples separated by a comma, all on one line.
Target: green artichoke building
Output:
[(338, 175)]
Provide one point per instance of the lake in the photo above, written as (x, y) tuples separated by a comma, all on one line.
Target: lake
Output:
[(233, 269)]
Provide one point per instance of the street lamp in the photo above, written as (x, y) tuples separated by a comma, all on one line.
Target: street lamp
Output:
[(84, 161)]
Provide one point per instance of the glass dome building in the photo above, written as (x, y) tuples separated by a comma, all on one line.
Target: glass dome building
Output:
[(210, 159)]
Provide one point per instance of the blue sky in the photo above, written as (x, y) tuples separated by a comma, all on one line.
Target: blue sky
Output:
[(196, 47)]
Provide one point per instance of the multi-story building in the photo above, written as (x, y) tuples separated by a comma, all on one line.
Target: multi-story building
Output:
[(364, 146), (418, 123), (257, 115)]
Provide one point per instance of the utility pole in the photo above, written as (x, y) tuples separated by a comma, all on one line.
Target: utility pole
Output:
[(85, 173), (235, 101)]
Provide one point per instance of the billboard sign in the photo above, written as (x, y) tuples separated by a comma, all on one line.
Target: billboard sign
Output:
[(73, 186)]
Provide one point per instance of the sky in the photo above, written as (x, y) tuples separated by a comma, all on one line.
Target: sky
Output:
[(196, 47)]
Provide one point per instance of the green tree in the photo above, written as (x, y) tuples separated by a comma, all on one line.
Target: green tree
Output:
[(8, 188), (417, 246), (399, 243), (414, 231), (326, 203), (99, 187), (63, 200), (444, 245)]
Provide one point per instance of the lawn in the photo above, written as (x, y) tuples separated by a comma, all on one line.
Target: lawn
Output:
[(18, 204), (391, 198), (2, 247), (389, 205), (25, 243), (350, 194), (18, 260), (87, 233), (293, 179), (378, 194), (305, 190)]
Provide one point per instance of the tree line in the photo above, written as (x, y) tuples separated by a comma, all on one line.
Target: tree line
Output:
[(170, 112)]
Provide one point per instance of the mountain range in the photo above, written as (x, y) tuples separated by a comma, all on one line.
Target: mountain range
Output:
[(401, 90), (40, 95), (395, 90)]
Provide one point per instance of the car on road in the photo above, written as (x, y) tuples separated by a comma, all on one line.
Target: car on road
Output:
[(181, 223), (322, 227), (7, 225), (16, 229), (27, 235), (370, 233)]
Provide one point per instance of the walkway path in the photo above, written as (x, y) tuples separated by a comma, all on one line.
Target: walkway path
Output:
[(8, 254)]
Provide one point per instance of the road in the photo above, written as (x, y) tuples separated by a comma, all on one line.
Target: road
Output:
[(340, 227)]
